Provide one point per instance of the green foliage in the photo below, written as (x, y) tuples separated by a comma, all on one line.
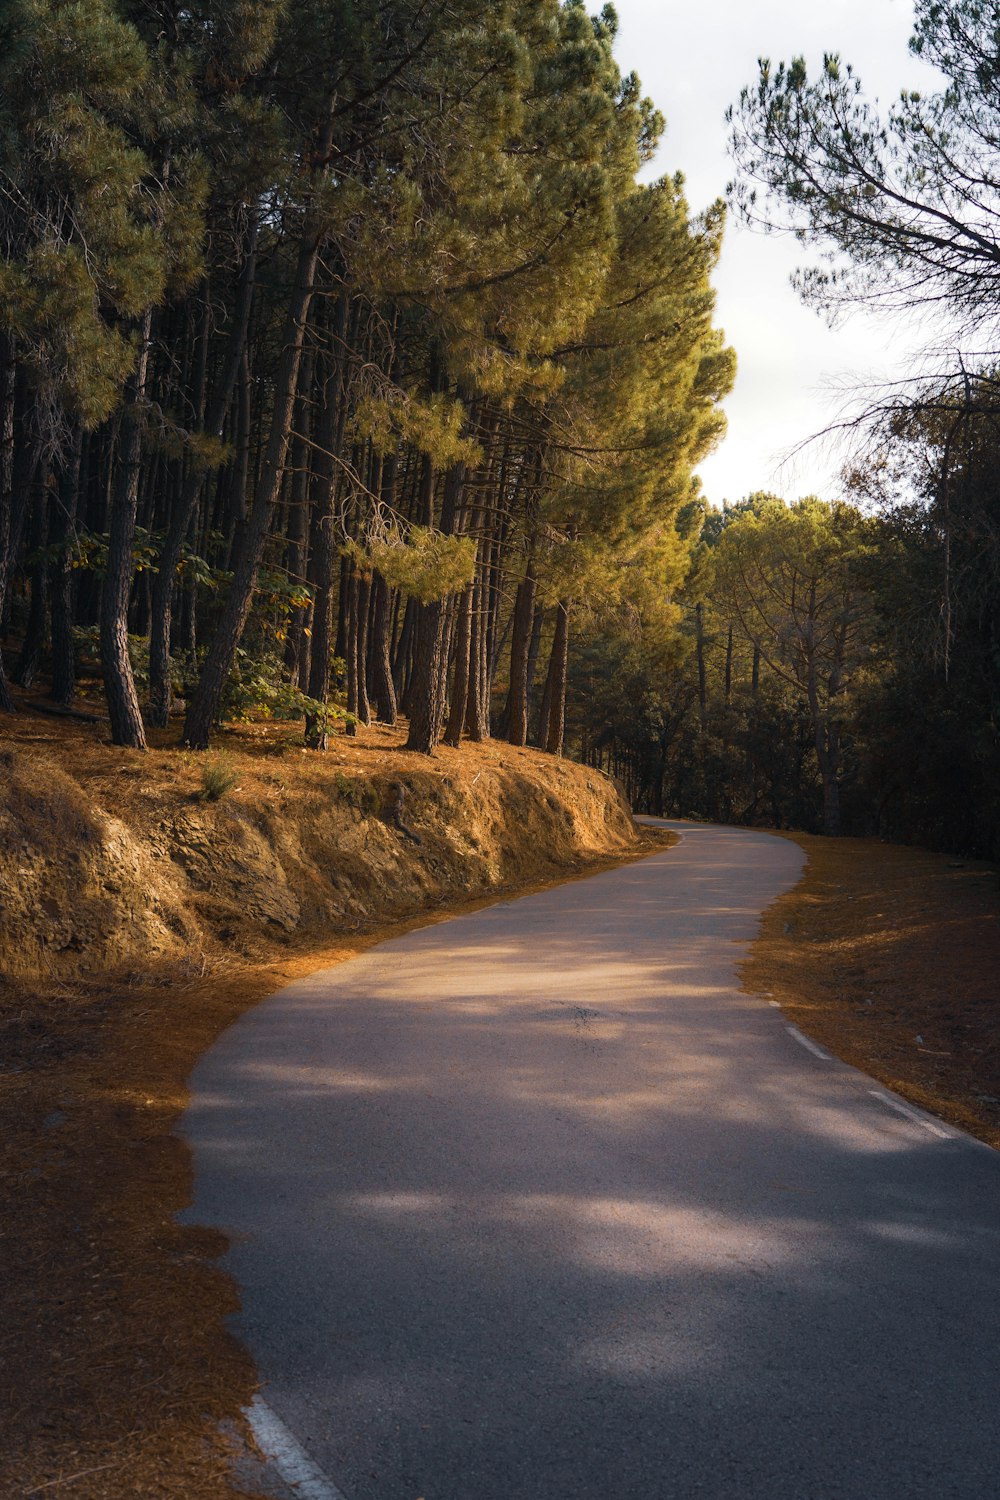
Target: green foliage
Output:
[(258, 688), (88, 641), (901, 203), (93, 233), (424, 563), (358, 794), (218, 778)]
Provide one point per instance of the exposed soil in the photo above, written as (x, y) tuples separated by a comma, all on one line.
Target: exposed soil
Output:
[(136, 922), (890, 958), (112, 858)]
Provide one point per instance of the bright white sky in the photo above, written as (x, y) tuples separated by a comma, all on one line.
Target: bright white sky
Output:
[(693, 59)]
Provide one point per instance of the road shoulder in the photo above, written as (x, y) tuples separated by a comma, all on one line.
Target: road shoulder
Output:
[(887, 957)]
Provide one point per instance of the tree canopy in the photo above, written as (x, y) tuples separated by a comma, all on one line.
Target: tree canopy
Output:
[(344, 357)]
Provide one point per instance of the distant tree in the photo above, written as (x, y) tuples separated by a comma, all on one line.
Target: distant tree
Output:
[(793, 578)]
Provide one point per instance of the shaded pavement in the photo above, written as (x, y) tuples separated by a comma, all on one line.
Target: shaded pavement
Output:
[(536, 1203)]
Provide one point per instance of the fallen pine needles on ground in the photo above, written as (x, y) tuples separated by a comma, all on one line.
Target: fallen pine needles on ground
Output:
[(890, 958)]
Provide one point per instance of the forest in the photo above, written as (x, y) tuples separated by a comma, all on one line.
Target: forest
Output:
[(355, 366)]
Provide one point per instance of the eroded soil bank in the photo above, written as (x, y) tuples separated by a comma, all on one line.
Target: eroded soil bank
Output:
[(112, 859), (137, 920)]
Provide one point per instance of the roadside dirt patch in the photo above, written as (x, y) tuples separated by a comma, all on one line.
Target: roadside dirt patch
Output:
[(890, 958), (111, 858), (116, 1365)]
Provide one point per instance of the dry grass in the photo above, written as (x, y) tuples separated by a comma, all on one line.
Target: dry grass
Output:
[(117, 1368), (890, 957)]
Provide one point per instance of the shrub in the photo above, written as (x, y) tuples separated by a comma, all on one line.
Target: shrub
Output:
[(217, 778)]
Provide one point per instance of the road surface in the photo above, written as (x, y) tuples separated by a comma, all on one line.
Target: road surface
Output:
[(537, 1204)]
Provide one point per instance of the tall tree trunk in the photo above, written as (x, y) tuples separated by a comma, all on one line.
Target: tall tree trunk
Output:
[(475, 725), (323, 545), (425, 685), (383, 689), (699, 639), (349, 611), (556, 687), (38, 608), (428, 687), (204, 707), (298, 514), (361, 614), (828, 755), (534, 647), (119, 685), (183, 513), (460, 683), (7, 389), (63, 532), (402, 660), (524, 606)]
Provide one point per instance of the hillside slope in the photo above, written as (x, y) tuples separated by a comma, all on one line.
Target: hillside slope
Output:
[(110, 858)]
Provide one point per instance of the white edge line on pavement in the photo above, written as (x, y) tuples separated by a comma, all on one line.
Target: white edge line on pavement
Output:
[(804, 1041), (288, 1456), (910, 1114)]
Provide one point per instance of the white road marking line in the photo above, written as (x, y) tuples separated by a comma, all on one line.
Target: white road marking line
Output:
[(804, 1041), (289, 1458), (910, 1114), (775, 1003)]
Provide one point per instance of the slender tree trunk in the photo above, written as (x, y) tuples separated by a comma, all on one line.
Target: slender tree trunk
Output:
[(7, 386), (63, 531), (699, 637), (425, 694), (524, 606), (556, 687), (380, 642), (383, 690), (119, 685), (26, 453), (428, 688), (238, 481), (361, 614), (828, 755), (323, 553), (323, 546), (403, 655), (534, 647), (349, 611), (183, 513), (474, 706), (297, 531), (460, 684), (38, 608), (204, 707)]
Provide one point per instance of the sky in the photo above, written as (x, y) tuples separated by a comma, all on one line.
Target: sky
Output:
[(793, 371)]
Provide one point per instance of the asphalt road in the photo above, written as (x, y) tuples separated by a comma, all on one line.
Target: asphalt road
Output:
[(536, 1204)]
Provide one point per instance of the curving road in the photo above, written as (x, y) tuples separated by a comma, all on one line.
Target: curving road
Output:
[(536, 1204)]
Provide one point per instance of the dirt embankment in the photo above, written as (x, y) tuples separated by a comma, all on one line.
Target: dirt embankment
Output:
[(137, 920), (111, 859)]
